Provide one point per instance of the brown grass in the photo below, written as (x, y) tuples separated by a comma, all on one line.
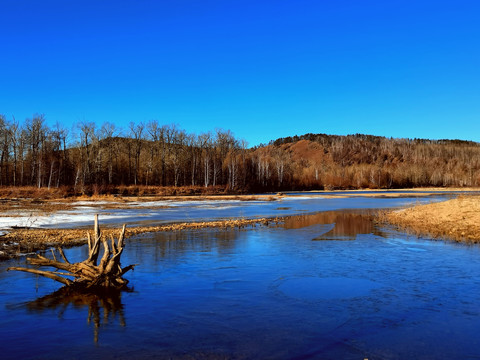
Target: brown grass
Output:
[(95, 191), (32, 192), (16, 205), (457, 219), (29, 240)]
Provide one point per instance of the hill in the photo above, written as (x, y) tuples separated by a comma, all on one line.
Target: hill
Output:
[(361, 161), (100, 160)]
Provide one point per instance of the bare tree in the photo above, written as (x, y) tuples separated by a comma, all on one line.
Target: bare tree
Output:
[(107, 133), (193, 143), (205, 142), (137, 132), (14, 134), (280, 159), (86, 136), (157, 151), (4, 150), (36, 132), (177, 154)]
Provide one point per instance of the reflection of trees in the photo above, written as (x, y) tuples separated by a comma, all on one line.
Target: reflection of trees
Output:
[(347, 224), (174, 244), (103, 306)]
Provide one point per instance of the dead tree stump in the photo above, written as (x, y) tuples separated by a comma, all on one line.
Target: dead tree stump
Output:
[(87, 274)]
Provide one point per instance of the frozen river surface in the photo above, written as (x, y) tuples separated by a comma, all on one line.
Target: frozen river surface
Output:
[(328, 285), (161, 212)]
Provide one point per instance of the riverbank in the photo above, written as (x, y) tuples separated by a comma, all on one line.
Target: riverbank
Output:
[(15, 206), (456, 219), (69, 194), (26, 241), (27, 225), (13, 202)]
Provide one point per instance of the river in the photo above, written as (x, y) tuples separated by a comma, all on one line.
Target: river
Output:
[(326, 283)]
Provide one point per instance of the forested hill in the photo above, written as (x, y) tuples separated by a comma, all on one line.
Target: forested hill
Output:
[(324, 138), (359, 161), (151, 154)]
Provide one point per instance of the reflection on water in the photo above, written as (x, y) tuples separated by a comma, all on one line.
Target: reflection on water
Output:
[(175, 244), (103, 307), (337, 225)]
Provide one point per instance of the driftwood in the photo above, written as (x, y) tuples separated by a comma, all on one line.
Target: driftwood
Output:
[(87, 274)]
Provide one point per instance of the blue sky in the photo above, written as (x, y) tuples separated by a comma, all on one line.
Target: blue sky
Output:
[(262, 69)]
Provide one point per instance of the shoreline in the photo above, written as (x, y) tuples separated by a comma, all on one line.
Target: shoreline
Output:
[(20, 242), (456, 219), (54, 203)]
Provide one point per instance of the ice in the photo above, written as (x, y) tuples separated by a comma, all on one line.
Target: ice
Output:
[(168, 211), (90, 203), (56, 219), (302, 197)]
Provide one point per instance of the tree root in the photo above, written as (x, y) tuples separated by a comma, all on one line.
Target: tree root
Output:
[(87, 274)]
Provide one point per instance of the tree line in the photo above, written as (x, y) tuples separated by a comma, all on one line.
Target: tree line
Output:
[(89, 158), (366, 161)]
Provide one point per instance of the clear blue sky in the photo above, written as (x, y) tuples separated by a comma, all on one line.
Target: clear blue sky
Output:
[(263, 69)]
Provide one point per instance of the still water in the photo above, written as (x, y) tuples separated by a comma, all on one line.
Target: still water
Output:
[(329, 285)]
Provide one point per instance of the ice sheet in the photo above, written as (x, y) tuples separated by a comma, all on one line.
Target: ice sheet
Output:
[(161, 212)]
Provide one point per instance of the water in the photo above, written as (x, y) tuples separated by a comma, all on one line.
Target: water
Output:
[(330, 285), (161, 212)]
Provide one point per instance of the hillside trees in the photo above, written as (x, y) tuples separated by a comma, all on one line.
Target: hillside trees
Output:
[(368, 161), (205, 143), (4, 150), (95, 158), (137, 132), (86, 137), (156, 160), (107, 136), (14, 142)]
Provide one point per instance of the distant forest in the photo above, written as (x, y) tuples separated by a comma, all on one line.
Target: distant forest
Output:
[(95, 158)]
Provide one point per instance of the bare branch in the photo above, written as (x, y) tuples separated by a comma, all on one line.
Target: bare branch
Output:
[(87, 274), (46, 274), (60, 250)]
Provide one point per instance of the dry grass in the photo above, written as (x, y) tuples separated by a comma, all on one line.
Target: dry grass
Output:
[(16, 206), (457, 219), (29, 240), (15, 200), (97, 191), (32, 192)]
